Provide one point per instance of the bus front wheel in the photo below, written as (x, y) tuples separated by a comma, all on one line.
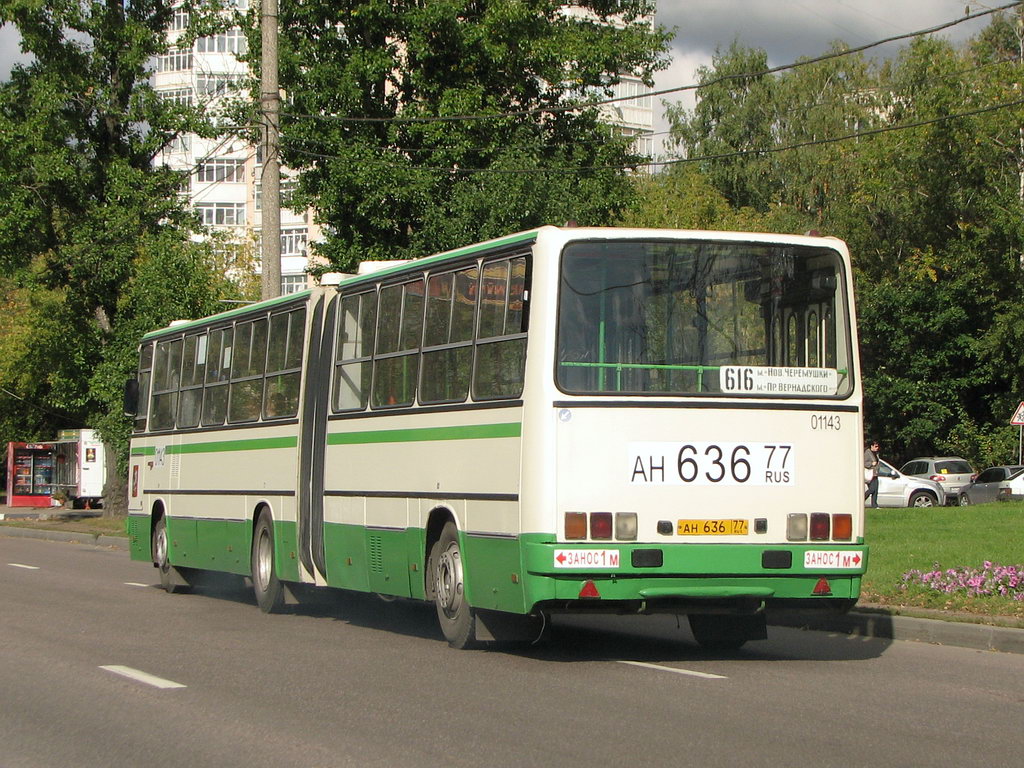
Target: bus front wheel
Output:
[(266, 585), (170, 579), (454, 613)]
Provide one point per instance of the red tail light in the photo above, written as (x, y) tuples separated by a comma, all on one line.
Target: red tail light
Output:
[(601, 525), (820, 526), (937, 478)]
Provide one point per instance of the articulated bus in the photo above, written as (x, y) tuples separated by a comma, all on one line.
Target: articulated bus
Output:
[(561, 420)]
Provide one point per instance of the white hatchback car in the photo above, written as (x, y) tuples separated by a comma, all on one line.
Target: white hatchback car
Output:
[(898, 490)]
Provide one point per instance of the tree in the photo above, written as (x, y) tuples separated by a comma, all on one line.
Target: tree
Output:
[(931, 209), (94, 237), (384, 107)]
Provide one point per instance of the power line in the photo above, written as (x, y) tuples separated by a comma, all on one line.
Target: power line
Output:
[(681, 161), (666, 91)]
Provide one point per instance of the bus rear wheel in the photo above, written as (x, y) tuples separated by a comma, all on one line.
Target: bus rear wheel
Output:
[(455, 615), (266, 585)]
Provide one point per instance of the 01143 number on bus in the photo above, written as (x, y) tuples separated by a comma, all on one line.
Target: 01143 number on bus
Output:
[(711, 464)]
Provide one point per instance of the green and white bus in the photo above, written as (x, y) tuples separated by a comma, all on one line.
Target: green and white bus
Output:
[(561, 420)]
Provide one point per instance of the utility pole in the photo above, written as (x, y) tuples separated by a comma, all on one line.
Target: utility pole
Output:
[(270, 107)]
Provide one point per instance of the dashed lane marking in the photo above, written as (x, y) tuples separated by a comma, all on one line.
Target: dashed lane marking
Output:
[(26, 567), (142, 677), (689, 672)]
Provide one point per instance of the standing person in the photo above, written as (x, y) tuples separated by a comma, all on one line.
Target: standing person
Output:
[(871, 472)]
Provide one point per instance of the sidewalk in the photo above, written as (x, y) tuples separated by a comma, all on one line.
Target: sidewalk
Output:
[(863, 621)]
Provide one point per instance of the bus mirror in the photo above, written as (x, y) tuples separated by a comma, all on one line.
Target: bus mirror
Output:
[(131, 397)]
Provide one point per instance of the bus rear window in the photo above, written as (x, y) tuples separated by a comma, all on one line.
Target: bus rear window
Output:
[(684, 318)]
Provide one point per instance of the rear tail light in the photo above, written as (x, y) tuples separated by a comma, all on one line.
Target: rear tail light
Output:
[(601, 525), (796, 527), (937, 478), (575, 525), (820, 526), (842, 527), (625, 526)]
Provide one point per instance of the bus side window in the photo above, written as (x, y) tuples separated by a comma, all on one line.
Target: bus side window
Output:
[(218, 371), (166, 376), (448, 337), (284, 364), (145, 372), (357, 321), (396, 364), (245, 398), (501, 343), (193, 374)]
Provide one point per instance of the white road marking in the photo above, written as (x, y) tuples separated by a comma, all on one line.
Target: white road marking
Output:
[(142, 677), (660, 668), (26, 567), (135, 584)]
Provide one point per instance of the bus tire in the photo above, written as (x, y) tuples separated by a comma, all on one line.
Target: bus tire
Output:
[(718, 632), (455, 615), (170, 578), (265, 584)]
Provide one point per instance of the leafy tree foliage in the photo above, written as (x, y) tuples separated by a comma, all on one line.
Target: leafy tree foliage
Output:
[(933, 212), (94, 239), (377, 94)]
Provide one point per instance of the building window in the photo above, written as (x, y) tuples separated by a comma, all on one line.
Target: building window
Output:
[(293, 283), (175, 60), (180, 20), (221, 214), (217, 85), (293, 241), (182, 96), (287, 189), (232, 41), (221, 169)]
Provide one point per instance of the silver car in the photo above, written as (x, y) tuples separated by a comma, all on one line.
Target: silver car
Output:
[(951, 472), (898, 490), (985, 487)]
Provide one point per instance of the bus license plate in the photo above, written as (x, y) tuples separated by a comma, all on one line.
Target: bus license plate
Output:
[(712, 528)]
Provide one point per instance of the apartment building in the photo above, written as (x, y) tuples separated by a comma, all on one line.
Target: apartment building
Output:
[(224, 174)]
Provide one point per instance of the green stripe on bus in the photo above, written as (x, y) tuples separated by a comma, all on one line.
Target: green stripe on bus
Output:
[(220, 446), (426, 434)]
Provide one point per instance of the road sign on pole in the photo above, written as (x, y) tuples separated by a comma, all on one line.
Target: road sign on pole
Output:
[(1018, 416), (1018, 420)]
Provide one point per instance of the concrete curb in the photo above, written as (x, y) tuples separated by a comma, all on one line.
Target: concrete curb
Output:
[(93, 539), (886, 626), (858, 623)]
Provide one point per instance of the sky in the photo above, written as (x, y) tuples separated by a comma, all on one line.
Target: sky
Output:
[(789, 29)]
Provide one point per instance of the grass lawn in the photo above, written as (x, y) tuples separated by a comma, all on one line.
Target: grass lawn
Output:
[(939, 538)]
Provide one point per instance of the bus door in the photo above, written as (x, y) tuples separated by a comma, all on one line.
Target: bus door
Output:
[(313, 435)]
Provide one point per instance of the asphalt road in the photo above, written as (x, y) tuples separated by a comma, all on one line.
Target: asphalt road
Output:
[(360, 682)]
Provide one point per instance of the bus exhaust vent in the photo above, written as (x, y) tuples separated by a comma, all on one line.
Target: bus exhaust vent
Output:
[(376, 554)]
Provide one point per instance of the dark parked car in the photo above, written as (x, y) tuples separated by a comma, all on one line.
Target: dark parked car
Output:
[(985, 487), (951, 472)]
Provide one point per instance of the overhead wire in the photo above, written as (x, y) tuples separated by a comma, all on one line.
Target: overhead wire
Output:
[(678, 89)]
